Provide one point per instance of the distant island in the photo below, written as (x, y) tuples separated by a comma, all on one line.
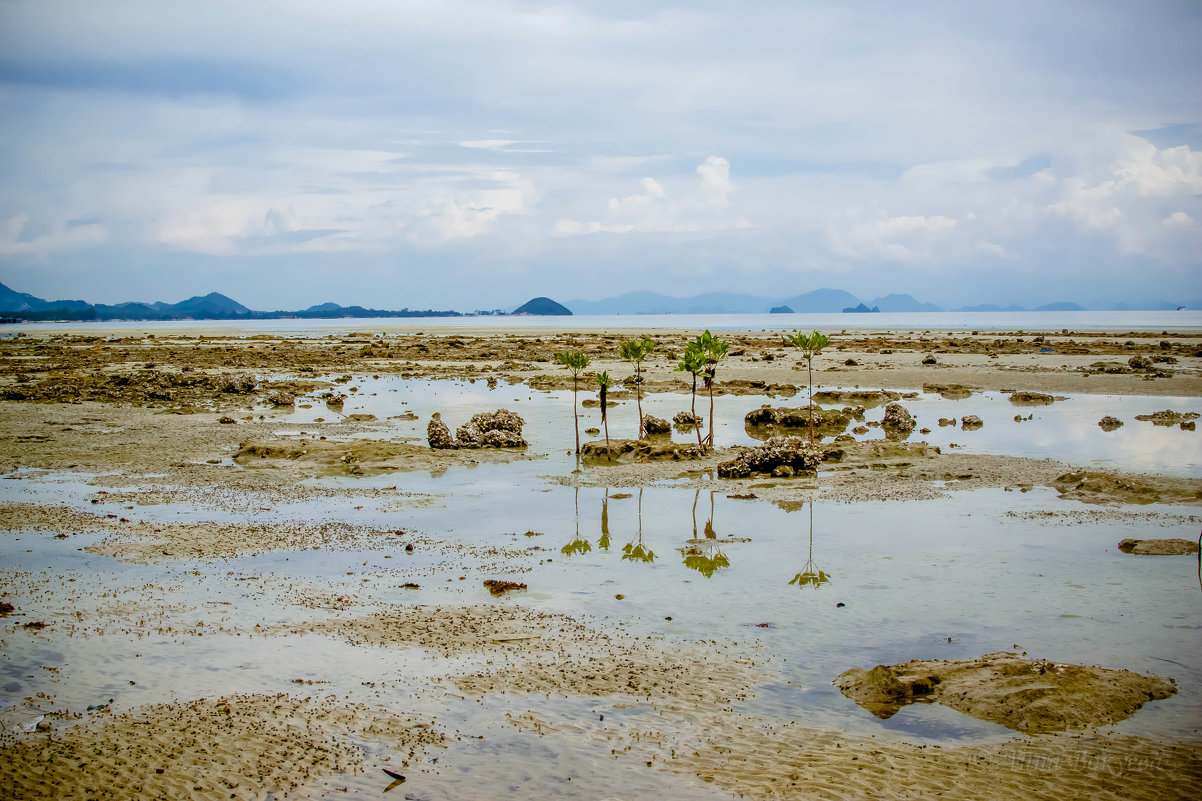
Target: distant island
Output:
[(213, 306), (543, 307), (21, 306)]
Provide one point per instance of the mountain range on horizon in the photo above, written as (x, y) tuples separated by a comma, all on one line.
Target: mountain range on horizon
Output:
[(824, 300), (216, 306)]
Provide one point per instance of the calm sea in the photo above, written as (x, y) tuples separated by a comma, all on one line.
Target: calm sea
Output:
[(1185, 320)]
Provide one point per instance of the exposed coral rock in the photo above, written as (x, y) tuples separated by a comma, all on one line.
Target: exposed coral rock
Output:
[(949, 391), (1168, 417), (437, 433), (1173, 547), (859, 397), (970, 422), (687, 419), (1033, 398), (1028, 695), (793, 452), (628, 450), (499, 429), (1099, 487), (947, 421), (897, 422), (656, 425), (827, 422), (1109, 423)]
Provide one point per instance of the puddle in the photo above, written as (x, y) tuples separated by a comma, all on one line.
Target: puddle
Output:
[(806, 593)]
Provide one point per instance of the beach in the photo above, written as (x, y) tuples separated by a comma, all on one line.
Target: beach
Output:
[(237, 569)]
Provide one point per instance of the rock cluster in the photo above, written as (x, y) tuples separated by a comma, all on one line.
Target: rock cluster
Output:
[(642, 450), (656, 425), (1168, 417), (897, 422), (1170, 547), (779, 456), (828, 422), (687, 419), (499, 429)]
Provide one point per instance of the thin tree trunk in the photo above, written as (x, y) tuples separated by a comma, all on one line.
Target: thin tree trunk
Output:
[(710, 438), (605, 422), (810, 367), (696, 425), (575, 415), (638, 396)]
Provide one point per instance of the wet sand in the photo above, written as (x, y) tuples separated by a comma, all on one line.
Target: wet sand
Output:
[(137, 421)]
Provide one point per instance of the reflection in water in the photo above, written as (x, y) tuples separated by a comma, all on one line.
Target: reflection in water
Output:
[(636, 551), (704, 555), (809, 575), (603, 543), (577, 545)]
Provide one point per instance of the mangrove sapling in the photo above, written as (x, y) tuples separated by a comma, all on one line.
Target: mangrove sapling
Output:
[(811, 345), (602, 388), (574, 361), (715, 351), (635, 351), (693, 362)]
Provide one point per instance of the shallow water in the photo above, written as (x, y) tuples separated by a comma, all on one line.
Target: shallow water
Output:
[(1066, 430), (953, 577)]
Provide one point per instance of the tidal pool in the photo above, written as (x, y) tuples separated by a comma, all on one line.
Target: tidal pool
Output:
[(805, 591)]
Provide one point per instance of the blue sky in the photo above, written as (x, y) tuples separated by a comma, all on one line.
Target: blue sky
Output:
[(461, 154)]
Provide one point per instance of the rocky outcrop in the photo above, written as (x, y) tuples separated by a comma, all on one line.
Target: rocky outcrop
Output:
[(628, 450), (1168, 417), (897, 421), (1109, 423), (687, 420), (499, 429), (857, 397), (656, 425), (1029, 695), (949, 391), (1173, 547), (779, 456), (1034, 398), (766, 421), (970, 422), (437, 433)]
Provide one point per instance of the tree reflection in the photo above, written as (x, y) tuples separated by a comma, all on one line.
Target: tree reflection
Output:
[(811, 576), (636, 551), (577, 545), (704, 555), (603, 543)]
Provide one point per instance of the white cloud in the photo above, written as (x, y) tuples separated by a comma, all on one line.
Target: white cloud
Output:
[(639, 204), (62, 235), (715, 181), (655, 210), (448, 216), (907, 239), (991, 249), (1130, 196)]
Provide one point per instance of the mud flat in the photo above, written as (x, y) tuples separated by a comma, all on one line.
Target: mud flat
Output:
[(194, 505)]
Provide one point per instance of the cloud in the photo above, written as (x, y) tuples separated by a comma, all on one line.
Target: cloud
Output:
[(16, 240), (906, 239), (715, 181), (449, 216), (1133, 193), (1178, 219), (654, 210)]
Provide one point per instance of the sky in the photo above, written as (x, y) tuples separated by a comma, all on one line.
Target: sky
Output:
[(473, 154)]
